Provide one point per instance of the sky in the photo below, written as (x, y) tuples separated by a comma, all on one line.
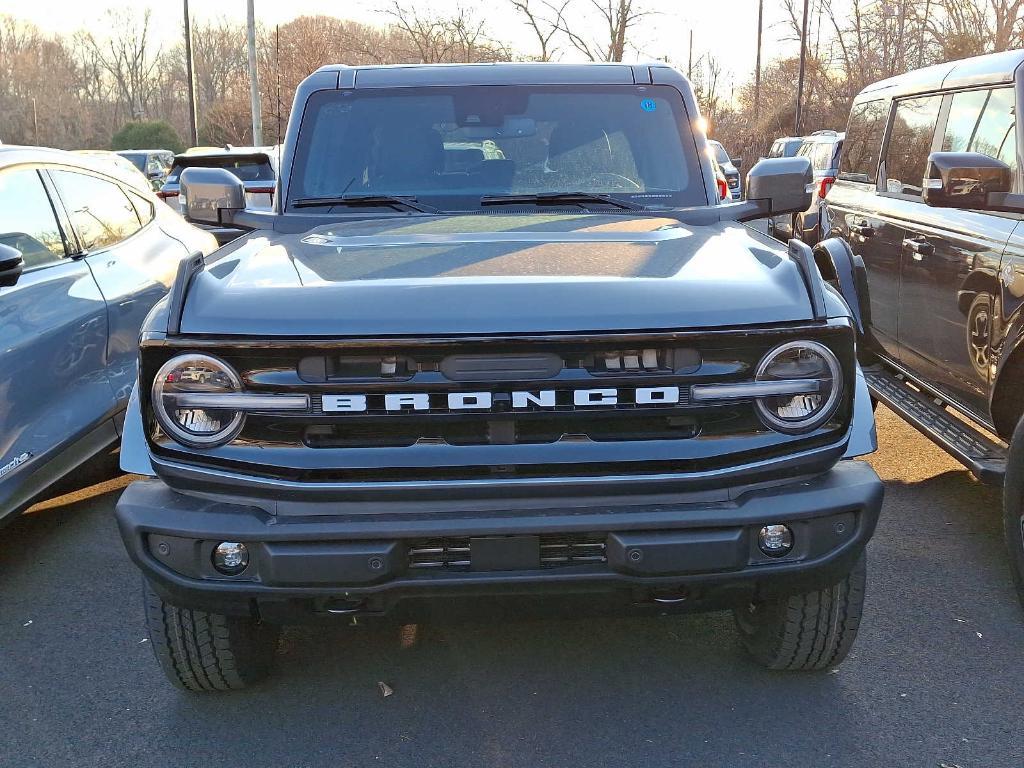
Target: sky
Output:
[(726, 28)]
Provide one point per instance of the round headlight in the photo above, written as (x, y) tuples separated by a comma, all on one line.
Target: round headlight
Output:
[(800, 362), (185, 393)]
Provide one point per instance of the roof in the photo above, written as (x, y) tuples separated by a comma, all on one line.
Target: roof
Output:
[(12, 154), (499, 73), (991, 69)]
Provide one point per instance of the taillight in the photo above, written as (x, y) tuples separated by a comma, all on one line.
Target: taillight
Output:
[(164, 195), (826, 185), (723, 188), (261, 191)]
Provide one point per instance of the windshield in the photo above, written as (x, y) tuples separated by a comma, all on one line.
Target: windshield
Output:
[(720, 154), (138, 159), (451, 146)]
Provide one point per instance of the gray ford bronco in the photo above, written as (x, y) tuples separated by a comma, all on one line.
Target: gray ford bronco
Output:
[(499, 338)]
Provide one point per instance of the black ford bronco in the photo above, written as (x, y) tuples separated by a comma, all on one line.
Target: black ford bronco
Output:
[(930, 196), (498, 338)]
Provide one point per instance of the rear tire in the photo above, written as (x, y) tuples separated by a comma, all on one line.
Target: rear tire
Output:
[(1013, 508), (200, 651), (809, 631)]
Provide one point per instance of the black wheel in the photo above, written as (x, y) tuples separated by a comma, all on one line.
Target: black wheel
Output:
[(201, 651), (810, 631), (979, 334), (1013, 508)]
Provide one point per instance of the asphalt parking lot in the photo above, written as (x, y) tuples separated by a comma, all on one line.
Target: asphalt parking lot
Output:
[(935, 678)]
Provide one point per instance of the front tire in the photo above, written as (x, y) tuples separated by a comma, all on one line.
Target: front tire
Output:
[(809, 631), (1013, 508), (200, 651)]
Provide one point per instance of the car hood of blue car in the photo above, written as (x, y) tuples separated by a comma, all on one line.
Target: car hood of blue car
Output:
[(495, 274)]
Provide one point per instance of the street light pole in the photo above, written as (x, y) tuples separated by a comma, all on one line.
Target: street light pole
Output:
[(757, 66), (803, 65), (193, 123), (254, 78)]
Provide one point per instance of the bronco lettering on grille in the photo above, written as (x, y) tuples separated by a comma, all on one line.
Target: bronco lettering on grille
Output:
[(485, 401)]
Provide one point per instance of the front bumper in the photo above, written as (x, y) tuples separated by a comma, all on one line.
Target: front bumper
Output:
[(704, 554)]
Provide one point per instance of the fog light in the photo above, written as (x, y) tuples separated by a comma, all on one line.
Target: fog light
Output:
[(775, 540), (230, 557)]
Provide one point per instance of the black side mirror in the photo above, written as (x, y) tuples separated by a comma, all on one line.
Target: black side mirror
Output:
[(778, 185), (212, 195), (738, 162), (12, 264), (969, 180)]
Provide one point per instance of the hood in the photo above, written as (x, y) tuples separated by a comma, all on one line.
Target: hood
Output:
[(495, 274)]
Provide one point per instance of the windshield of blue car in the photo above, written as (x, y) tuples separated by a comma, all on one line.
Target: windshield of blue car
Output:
[(138, 159), (452, 146)]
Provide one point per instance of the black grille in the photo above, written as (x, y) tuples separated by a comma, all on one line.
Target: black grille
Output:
[(556, 551)]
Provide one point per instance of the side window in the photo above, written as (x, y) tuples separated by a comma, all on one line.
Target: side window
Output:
[(964, 113), (27, 220), (821, 159), (910, 142), (100, 211), (985, 122), (143, 208), (996, 133), (864, 141)]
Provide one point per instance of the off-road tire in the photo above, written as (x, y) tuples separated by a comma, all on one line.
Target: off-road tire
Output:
[(1013, 508), (809, 631), (200, 651)]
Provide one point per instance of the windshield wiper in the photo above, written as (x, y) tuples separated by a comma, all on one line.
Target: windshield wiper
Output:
[(399, 202), (560, 198)]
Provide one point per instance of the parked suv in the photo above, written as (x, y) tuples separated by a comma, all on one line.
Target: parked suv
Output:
[(823, 149), (929, 195), (86, 250), (564, 368)]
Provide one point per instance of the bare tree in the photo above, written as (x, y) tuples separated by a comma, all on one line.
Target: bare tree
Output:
[(617, 16), (544, 22), (460, 37), (128, 58)]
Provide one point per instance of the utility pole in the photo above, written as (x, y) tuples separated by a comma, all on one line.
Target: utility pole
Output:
[(193, 123), (803, 66), (35, 121), (689, 66), (757, 67), (254, 79)]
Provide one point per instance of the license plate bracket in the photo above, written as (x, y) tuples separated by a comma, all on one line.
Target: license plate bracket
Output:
[(504, 553)]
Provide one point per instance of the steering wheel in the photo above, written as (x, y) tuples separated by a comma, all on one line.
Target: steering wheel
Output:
[(623, 182)]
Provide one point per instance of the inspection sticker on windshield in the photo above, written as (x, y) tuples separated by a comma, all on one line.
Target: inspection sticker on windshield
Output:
[(648, 105)]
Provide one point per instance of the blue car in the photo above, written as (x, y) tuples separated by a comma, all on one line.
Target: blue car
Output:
[(85, 251)]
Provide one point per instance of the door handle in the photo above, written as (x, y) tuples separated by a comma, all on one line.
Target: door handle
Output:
[(920, 248), (863, 229)]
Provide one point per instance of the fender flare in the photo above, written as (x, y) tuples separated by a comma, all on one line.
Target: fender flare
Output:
[(134, 448), (845, 271)]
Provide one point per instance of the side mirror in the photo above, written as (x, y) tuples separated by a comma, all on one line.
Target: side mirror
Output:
[(779, 185), (970, 180), (12, 264), (738, 162), (212, 195)]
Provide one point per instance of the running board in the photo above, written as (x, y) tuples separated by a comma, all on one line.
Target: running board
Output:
[(982, 455)]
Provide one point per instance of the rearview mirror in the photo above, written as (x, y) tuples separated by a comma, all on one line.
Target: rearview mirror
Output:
[(212, 195), (970, 180), (12, 264), (779, 185)]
